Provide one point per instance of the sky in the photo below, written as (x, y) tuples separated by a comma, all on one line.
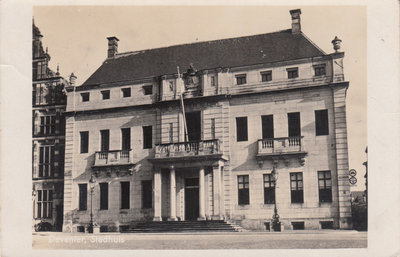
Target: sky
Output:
[(76, 41)]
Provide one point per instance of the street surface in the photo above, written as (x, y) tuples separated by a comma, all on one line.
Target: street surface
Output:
[(245, 240)]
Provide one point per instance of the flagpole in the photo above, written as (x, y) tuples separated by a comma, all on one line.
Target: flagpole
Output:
[(182, 106)]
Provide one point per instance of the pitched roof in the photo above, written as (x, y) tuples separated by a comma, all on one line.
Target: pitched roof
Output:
[(232, 52)]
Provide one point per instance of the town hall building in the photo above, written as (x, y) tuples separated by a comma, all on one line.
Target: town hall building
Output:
[(237, 129)]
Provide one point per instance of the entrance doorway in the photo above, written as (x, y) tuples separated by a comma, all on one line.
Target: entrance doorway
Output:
[(191, 198), (193, 123)]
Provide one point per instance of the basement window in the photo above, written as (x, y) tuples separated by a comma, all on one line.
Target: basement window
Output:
[(298, 225), (326, 224), (103, 229)]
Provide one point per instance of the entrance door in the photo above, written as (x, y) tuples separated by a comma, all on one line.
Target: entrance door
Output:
[(193, 123), (59, 217), (191, 198)]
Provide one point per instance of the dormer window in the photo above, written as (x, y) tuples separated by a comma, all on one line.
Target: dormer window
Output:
[(148, 90), (266, 76), (319, 70), (85, 97), (105, 94), (292, 73), (241, 79)]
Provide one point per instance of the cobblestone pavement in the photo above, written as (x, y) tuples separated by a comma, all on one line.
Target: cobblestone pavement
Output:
[(248, 240)]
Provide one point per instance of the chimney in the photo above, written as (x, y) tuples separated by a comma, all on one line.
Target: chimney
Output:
[(296, 26), (112, 46)]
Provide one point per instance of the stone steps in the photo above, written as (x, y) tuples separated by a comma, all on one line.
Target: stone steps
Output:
[(180, 226)]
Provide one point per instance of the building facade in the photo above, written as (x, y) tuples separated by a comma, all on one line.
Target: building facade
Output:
[(265, 125), (48, 138)]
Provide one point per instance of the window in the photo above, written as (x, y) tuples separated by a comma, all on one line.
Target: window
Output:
[(171, 132), (325, 186), (266, 76), (269, 189), (84, 141), (44, 203), (243, 190), (85, 97), (319, 70), (241, 129), (321, 123), (105, 94), (213, 81), (41, 93), (326, 224), (46, 160), (147, 137), (125, 195), (292, 73), (147, 194), (299, 225), (267, 123), (212, 128), (126, 92), (82, 197), (103, 196), (48, 125), (126, 138), (294, 124), (104, 140), (241, 79), (148, 90), (296, 187)]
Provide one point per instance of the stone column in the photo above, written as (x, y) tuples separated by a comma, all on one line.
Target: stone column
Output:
[(157, 195), (172, 194), (202, 198), (216, 191)]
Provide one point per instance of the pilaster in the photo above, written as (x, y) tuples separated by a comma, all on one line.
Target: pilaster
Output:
[(157, 195), (202, 213), (68, 173), (342, 164)]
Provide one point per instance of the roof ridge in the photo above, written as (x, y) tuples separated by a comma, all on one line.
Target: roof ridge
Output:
[(193, 43)]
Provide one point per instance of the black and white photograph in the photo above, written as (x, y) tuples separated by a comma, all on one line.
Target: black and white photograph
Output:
[(201, 127)]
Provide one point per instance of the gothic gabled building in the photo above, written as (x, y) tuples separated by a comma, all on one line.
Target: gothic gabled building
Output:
[(265, 133), (48, 138)]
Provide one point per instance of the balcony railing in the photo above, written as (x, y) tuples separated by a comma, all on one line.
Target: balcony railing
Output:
[(280, 145), (114, 157), (193, 148)]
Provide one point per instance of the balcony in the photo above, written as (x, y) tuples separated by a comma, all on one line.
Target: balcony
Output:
[(113, 158), (283, 147), (184, 149)]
